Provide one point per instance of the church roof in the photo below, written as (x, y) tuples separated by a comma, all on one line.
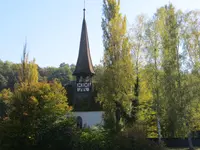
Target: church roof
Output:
[(84, 63)]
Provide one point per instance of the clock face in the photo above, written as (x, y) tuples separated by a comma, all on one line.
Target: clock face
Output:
[(83, 84)]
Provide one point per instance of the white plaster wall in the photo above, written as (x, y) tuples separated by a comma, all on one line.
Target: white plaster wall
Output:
[(90, 118)]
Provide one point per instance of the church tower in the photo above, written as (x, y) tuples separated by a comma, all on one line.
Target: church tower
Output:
[(84, 68), (84, 71), (87, 111)]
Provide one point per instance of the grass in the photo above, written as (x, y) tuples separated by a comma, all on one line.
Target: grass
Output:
[(181, 148)]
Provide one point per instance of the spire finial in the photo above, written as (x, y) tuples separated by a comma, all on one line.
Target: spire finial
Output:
[(84, 10)]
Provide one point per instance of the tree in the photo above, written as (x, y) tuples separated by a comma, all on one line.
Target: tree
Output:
[(191, 36), (28, 72), (63, 74), (191, 48), (35, 109), (5, 95), (8, 75), (3, 82), (138, 47), (116, 89), (99, 69), (32, 109), (153, 59), (72, 67), (168, 29)]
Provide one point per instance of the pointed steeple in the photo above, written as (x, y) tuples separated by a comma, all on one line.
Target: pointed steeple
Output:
[(84, 65)]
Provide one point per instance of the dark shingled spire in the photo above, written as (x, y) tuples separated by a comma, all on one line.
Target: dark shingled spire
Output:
[(84, 65)]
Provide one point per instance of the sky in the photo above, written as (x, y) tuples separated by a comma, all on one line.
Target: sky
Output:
[(53, 27)]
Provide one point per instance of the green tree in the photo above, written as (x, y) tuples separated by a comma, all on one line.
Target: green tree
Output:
[(191, 36), (138, 47), (153, 56), (32, 109), (45, 73), (116, 89), (168, 29), (5, 96), (28, 71), (63, 74), (8, 75)]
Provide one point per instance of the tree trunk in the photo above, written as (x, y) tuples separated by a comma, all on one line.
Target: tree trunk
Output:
[(191, 147), (159, 131)]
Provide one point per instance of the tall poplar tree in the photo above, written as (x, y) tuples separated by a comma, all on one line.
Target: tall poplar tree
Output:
[(191, 38), (137, 33), (116, 89), (191, 50), (153, 43), (169, 33), (28, 71)]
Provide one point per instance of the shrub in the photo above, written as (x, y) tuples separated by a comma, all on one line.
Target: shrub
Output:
[(92, 139), (129, 139), (59, 136), (134, 139)]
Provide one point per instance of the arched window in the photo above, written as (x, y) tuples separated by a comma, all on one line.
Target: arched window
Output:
[(79, 122)]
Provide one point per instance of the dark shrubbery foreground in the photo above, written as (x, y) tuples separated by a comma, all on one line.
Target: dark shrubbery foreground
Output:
[(125, 140), (132, 138), (129, 139), (58, 137), (65, 136), (54, 137)]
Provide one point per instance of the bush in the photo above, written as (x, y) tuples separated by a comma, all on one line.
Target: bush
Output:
[(59, 136), (129, 139), (92, 139), (64, 135), (134, 139), (10, 135)]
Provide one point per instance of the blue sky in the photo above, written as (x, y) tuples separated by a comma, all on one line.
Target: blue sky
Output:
[(53, 27)]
